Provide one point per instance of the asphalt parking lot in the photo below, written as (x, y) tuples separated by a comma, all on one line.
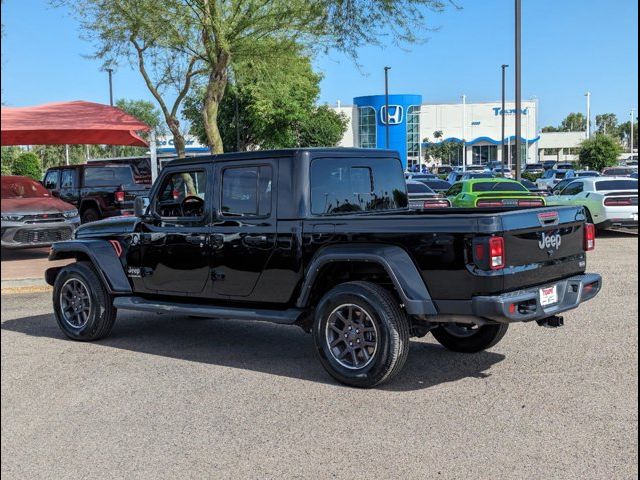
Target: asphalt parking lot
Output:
[(169, 397)]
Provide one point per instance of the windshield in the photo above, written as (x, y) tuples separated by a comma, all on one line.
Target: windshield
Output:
[(498, 187), (22, 187), (560, 174), (616, 185)]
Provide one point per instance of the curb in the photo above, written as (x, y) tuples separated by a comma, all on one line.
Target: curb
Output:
[(24, 285)]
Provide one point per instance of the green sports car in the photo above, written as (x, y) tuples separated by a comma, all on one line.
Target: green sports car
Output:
[(492, 192)]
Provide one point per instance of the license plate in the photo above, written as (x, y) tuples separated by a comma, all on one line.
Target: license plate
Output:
[(549, 296)]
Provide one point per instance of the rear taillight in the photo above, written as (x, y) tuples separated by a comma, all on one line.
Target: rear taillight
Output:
[(440, 203), (531, 203), (617, 202), (589, 237), (119, 196), (489, 203), (496, 253)]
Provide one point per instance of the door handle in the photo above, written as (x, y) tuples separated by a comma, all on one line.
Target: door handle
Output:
[(196, 240), (255, 240)]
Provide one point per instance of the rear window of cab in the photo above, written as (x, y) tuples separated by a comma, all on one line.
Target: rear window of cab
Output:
[(349, 185)]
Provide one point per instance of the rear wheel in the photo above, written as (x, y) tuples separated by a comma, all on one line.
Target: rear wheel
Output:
[(361, 334), (83, 308), (469, 338), (90, 215)]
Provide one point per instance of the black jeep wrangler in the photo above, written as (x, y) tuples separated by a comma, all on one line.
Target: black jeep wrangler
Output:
[(323, 239)]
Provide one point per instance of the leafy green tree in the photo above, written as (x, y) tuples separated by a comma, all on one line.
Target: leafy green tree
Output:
[(272, 106), (624, 132), (144, 111), (187, 39), (323, 127), (550, 128), (574, 122), (439, 150), (27, 164), (9, 154), (599, 151), (607, 123)]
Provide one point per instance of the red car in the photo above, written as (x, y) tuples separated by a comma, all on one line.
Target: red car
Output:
[(32, 217)]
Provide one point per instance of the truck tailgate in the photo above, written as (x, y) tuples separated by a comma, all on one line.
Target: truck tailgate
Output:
[(543, 245)]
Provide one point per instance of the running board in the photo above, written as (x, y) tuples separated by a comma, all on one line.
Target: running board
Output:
[(286, 317)]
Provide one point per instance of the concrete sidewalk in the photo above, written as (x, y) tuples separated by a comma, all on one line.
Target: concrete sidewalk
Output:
[(24, 269)]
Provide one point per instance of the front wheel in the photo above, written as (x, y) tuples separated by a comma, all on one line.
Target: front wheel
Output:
[(82, 305), (469, 338), (361, 334)]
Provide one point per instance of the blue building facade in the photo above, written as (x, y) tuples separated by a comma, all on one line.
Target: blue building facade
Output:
[(403, 119)]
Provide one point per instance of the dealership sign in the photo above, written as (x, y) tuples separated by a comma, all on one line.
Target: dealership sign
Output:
[(394, 117), (512, 111)]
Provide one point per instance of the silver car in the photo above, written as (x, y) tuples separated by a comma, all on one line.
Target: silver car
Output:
[(31, 217), (552, 177)]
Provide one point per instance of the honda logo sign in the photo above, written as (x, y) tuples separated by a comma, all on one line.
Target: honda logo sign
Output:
[(394, 117)]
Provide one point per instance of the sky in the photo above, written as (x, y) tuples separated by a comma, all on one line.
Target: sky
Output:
[(569, 47)]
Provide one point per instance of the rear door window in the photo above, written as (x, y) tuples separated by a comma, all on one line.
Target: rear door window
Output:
[(348, 185), (246, 191)]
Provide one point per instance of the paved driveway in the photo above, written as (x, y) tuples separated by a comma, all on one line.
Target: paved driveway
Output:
[(169, 397)]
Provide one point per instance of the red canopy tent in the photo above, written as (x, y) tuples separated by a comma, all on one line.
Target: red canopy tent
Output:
[(70, 123)]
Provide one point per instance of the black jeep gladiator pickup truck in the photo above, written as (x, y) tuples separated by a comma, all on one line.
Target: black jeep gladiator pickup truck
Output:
[(323, 239), (98, 189)]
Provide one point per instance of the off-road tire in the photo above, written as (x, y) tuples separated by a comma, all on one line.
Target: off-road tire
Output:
[(90, 215), (392, 333), (102, 313)]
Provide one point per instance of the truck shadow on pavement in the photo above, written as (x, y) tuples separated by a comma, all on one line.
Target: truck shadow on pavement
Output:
[(260, 347)]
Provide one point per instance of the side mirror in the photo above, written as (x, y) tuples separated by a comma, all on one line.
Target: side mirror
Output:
[(140, 206)]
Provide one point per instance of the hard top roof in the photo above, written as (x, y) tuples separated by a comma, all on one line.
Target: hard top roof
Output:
[(288, 152)]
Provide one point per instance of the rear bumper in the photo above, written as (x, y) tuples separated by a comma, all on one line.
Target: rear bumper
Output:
[(524, 305), (618, 223)]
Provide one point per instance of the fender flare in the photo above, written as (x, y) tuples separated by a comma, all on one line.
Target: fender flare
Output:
[(103, 257), (396, 262)]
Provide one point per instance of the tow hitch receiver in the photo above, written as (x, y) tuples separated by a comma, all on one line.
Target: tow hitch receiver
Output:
[(551, 322)]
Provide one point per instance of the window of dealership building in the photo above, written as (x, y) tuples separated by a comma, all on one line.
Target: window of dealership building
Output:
[(474, 127)]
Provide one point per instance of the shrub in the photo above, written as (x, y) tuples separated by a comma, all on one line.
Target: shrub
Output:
[(532, 177), (599, 152), (28, 165), (9, 154)]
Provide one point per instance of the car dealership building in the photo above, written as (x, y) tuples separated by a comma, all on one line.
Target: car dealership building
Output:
[(412, 125)]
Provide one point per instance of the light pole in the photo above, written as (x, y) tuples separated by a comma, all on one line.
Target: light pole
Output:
[(504, 83), (464, 133), (588, 95), (631, 137), (386, 105), (110, 72), (518, 45)]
